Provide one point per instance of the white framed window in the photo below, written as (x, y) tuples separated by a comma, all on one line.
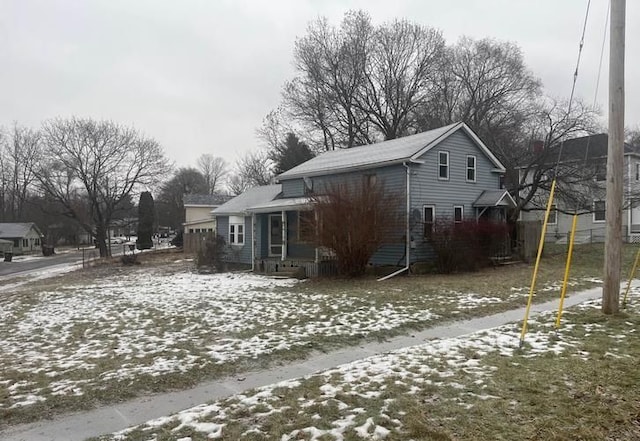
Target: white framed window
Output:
[(236, 230), (471, 168), (599, 211), (429, 218), (458, 214), (443, 165), (553, 215), (25, 243)]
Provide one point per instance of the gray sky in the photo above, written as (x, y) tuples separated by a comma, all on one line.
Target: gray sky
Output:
[(199, 76)]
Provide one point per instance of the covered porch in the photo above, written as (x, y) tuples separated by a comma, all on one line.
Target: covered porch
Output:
[(282, 241)]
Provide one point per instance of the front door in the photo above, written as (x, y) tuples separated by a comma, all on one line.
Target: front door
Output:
[(275, 235)]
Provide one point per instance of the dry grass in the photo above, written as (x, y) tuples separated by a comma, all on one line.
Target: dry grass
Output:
[(506, 287)]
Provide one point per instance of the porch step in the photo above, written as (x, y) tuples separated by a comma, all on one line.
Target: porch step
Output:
[(289, 273)]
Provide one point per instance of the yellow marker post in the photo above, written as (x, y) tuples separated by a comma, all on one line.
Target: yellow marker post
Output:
[(563, 292), (537, 265), (633, 272)]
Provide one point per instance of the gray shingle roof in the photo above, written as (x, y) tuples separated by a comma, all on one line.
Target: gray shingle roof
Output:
[(251, 197), (211, 200), (494, 198), (16, 230), (387, 152)]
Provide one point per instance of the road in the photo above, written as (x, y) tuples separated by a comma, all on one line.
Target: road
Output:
[(33, 263)]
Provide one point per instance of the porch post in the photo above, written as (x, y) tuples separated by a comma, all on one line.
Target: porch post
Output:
[(284, 235), (253, 242)]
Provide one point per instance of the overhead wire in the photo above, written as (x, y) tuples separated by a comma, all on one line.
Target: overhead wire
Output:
[(551, 195)]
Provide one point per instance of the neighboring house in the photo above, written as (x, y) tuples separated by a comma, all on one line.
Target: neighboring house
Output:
[(26, 237), (125, 227), (198, 207), (6, 247), (590, 154), (442, 173)]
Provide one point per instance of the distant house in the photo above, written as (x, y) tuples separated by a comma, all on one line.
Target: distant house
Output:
[(198, 207), (442, 173), (26, 237), (590, 154)]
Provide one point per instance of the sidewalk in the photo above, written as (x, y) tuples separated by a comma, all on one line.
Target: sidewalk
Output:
[(80, 426)]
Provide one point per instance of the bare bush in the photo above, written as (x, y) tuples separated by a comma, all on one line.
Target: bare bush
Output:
[(354, 220)]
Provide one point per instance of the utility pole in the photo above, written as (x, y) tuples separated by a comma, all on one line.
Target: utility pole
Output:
[(615, 159)]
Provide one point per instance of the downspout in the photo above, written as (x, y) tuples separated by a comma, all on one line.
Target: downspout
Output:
[(408, 226), (629, 200)]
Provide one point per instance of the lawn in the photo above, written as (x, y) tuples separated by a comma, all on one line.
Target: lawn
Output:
[(578, 383), (110, 333)]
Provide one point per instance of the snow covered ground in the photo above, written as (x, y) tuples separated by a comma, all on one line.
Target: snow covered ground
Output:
[(371, 398), (138, 329)]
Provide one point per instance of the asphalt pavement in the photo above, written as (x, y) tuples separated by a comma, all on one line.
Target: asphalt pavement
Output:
[(108, 419)]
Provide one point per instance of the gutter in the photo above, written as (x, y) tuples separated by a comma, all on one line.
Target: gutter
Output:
[(408, 232)]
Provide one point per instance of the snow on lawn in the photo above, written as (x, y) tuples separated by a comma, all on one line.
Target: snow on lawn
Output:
[(369, 398), (86, 336)]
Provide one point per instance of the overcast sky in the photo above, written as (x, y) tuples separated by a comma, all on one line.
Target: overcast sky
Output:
[(199, 76)]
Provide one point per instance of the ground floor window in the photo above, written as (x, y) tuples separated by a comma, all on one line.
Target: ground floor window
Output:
[(599, 211), (458, 214), (236, 234), (429, 217), (25, 243)]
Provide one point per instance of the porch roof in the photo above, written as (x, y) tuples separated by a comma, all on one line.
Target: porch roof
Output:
[(253, 196), (494, 198), (295, 204)]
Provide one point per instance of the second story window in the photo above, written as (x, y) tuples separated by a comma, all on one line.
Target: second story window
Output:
[(471, 168), (443, 165)]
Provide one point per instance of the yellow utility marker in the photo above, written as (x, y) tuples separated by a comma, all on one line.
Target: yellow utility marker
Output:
[(567, 268), (535, 268)]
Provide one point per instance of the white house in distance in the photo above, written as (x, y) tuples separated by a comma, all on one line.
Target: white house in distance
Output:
[(26, 237), (198, 207), (591, 218)]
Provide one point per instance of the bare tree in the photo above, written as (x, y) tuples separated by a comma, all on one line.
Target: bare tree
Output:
[(22, 151), (355, 220), (403, 64), (4, 176), (214, 169), (99, 162), (170, 198), (575, 171), (252, 170), (331, 63)]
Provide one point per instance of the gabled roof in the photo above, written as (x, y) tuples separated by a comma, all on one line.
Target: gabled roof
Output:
[(253, 196), (594, 146), (16, 230), (205, 200), (495, 198), (394, 151)]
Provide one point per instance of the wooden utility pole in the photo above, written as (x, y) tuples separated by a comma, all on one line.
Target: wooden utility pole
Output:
[(615, 159)]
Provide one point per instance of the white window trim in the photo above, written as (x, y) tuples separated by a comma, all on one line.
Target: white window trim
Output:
[(433, 216), (554, 210), (235, 240), (474, 168), (442, 165), (461, 207), (594, 212)]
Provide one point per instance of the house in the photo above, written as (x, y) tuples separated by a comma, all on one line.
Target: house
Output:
[(198, 207), (442, 173), (589, 154), (26, 237)]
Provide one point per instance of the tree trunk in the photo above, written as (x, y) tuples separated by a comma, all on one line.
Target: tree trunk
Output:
[(101, 241)]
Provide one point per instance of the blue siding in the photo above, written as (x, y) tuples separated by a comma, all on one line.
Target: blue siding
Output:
[(394, 180), (293, 188), (427, 189), (236, 253), (296, 249)]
